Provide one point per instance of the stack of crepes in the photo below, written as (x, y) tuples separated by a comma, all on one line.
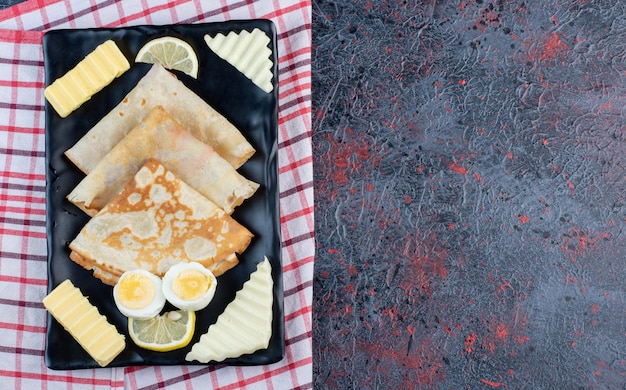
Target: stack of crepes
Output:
[(161, 182)]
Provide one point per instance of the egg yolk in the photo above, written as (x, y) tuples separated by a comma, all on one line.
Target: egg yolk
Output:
[(135, 291), (191, 284)]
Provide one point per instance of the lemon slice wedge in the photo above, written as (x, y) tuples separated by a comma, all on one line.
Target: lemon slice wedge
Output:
[(166, 332), (171, 53)]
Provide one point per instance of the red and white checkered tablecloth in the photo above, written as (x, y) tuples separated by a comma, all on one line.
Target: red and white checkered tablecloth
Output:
[(23, 268)]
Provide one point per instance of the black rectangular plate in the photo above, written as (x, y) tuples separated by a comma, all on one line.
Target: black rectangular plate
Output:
[(252, 111)]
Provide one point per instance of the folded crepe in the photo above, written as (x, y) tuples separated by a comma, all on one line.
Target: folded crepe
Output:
[(161, 88), (161, 137), (156, 221)]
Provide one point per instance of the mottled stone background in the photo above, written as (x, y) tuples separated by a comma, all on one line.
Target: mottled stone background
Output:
[(470, 161)]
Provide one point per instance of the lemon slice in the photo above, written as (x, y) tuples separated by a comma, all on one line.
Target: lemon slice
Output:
[(171, 53), (166, 332)]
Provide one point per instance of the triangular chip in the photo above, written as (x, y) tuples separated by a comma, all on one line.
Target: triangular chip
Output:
[(248, 52), (161, 88), (156, 221), (161, 137)]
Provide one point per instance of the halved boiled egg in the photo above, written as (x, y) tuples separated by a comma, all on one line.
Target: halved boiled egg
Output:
[(189, 286), (139, 294)]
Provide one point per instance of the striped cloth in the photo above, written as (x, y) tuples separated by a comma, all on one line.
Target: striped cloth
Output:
[(23, 268)]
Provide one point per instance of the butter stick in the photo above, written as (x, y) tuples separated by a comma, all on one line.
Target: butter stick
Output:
[(83, 321), (97, 70)]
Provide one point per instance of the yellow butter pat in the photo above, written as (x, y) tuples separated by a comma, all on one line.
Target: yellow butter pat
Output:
[(245, 326), (83, 321), (248, 52), (97, 70)]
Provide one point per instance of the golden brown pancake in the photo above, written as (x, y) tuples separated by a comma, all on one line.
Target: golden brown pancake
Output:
[(159, 136), (156, 221)]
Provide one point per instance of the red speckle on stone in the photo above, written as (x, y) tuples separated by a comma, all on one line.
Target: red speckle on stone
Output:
[(470, 339), (364, 152), (458, 168), (607, 106), (319, 114), (389, 312), (595, 308), (521, 339), (502, 331), (523, 218), (577, 242), (424, 268), (350, 155), (550, 48), (491, 383), (423, 362)]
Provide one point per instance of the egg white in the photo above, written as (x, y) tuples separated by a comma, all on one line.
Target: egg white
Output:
[(192, 304), (153, 308)]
